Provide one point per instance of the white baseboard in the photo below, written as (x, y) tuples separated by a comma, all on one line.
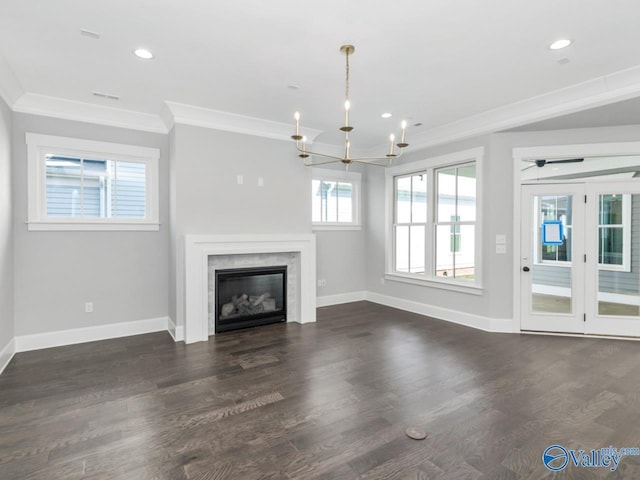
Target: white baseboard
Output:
[(25, 343), (177, 333), (328, 300), (498, 325), (7, 353)]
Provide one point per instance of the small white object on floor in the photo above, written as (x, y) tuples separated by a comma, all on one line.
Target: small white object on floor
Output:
[(415, 433)]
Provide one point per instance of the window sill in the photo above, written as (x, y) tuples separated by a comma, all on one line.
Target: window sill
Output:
[(441, 284), (321, 227), (92, 227)]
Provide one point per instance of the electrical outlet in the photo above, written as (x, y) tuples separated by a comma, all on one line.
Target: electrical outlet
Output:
[(260, 182), (322, 283), (88, 307), (240, 179)]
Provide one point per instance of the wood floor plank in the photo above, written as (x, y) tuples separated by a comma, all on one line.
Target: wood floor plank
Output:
[(329, 400)]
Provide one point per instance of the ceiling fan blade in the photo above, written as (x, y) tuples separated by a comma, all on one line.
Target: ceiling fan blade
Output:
[(566, 160), (527, 168)]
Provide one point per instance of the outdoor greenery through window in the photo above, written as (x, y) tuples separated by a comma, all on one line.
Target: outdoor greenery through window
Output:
[(455, 222), (90, 188)]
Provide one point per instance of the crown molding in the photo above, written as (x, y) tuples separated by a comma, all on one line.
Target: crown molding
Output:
[(184, 114), (10, 88), (615, 87), (87, 112)]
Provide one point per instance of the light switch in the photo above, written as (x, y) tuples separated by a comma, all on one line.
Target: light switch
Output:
[(240, 179), (501, 239), (501, 249)]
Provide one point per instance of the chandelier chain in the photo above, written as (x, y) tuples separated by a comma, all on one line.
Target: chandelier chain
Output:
[(346, 83)]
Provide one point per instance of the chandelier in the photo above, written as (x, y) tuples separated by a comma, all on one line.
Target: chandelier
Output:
[(346, 158)]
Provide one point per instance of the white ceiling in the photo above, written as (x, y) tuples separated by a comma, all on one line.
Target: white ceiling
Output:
[(434, 62)]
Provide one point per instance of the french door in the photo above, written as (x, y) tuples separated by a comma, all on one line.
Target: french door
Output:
[(580, 261)]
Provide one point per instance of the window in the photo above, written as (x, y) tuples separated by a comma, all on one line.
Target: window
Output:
[(614, 232), (410, 222), (335, 199), (433, 223), (456, 218), (77, 184)]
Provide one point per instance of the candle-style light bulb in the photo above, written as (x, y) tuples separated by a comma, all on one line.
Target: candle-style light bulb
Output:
[(403, 143), (297, 137), (348, 144), (392, 137), (304, 153)]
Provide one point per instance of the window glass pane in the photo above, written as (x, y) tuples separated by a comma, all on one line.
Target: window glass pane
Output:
[(611, 209), (331, 195), (316, 201), (345, 203), (96, 182), (465, 256), (467, 193), (403, 199), (63, 186), (446, 194), (419, 198), (402, 249), (128, 194), (611, 246), (445, 258), (417, 247)]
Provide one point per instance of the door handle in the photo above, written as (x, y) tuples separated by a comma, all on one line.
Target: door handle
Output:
[(525, 269)]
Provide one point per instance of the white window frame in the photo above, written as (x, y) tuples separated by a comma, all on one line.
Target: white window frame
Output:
[(429, 166), (626, 235), (355, 178), (38, 146)]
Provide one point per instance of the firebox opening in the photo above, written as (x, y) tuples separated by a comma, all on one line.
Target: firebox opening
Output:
[(248, 297)]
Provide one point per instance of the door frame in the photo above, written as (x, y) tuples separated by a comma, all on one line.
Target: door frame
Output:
[(521, 154), (572, 322)]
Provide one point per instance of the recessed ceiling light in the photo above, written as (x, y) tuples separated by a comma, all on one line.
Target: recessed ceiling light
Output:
[(558, 44), (386, 115), (143, 53)]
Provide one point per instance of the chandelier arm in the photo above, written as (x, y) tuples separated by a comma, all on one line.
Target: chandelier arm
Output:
[(311, 164), (371, 163), (309, 152)]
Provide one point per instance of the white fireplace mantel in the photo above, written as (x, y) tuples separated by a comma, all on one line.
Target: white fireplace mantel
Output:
[(198, 248)]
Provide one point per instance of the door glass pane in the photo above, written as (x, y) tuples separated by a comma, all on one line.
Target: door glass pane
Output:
[(551, 289), (619, 255)]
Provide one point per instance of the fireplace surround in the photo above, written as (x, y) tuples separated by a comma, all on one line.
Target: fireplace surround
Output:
[(193, 292)]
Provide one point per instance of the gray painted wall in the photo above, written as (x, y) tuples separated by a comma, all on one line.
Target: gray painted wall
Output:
[(6, 229), (125, 274), (207, 198), (496, 212)]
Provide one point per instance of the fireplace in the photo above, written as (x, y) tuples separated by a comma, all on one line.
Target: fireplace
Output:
[(248, 297)]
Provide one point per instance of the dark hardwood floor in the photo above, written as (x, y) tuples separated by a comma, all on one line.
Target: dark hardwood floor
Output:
[(329, 400)]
